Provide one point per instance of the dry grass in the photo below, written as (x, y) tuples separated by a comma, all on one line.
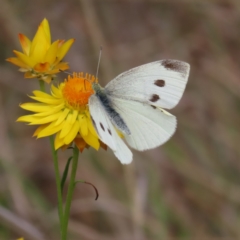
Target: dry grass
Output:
[(186, 189)]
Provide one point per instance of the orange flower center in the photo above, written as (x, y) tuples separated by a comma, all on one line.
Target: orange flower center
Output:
[(78, 89)]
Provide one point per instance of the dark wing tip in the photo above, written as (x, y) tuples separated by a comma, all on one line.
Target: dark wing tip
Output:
[(176, 66)]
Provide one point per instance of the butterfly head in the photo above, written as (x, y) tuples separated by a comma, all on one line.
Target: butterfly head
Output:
[(96, 87)]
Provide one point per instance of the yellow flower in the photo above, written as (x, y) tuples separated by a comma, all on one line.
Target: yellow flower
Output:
[(41, 58), (65, 113)]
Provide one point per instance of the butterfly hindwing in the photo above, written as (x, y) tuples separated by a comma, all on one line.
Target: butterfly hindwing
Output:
[(150, 126), (159, 83), (106, 131)]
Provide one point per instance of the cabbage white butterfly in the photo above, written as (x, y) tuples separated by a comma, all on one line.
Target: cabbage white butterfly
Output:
[(132, 103)]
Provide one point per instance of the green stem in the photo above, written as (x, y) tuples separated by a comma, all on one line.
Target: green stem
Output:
[(42, 85), (58, 183), (57, 174), (70, 192)]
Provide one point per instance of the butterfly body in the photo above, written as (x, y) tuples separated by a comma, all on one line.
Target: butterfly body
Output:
[(132, 103), (112, 113)]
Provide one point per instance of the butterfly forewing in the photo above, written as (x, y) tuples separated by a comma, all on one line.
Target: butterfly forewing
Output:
[(160, 83), (106, 131)]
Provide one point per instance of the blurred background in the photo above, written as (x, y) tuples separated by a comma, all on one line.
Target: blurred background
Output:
[(188, 188)]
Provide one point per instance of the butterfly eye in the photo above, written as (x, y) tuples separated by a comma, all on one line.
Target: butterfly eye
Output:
[(159, 83)]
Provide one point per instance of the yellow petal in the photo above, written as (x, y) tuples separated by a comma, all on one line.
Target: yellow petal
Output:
[(25, 59), (53, 71), (53, 110), (52, 53), (38, 93), (91, 128), (46, 28), (83, 126), (25, 43), (58, 142), (56, 92), (72, 134), (62, 66), (49, 130), (36, 107), (41, 42), (92, 141), (64, 49), (17, 62), (26, 118), (74, 116), (47, 100), (48, 119), (40, 128), (29, 75), (66, 127), (62, 116), (61, 42)]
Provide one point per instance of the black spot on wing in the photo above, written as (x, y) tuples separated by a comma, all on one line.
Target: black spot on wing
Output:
[(102, 126), (154, 98), (109, 131), (94, 124), (176, 66), (153, 107), (159, 83)]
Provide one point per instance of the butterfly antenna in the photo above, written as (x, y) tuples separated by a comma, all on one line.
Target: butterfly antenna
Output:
[(99, 58)]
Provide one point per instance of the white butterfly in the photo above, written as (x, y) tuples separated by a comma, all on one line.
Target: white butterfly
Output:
[(132, 103)]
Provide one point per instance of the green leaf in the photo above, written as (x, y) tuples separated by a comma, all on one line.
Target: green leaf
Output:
[(65, 173)]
